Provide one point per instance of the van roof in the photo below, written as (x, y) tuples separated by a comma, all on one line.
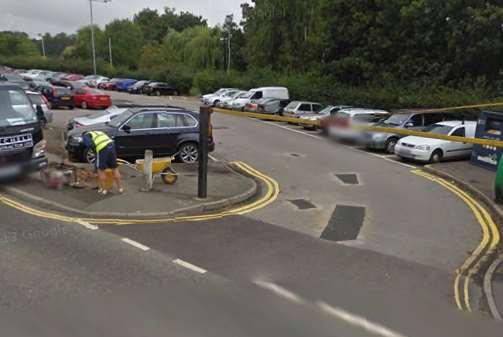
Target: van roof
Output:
[(458, 123), (272, 88), (355, 111)]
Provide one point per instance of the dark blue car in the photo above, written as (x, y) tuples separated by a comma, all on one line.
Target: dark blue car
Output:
[(124, 85)]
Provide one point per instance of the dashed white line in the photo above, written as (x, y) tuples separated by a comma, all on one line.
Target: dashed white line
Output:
[(278, 290), (136, 244), (358, 321), (87, 225), (190, 266)]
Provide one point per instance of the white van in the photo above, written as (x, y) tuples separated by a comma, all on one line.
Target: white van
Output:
[(259, 93)]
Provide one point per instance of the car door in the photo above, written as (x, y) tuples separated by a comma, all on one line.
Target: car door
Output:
[(165, 136), (135, 135), (458, 150), (415, 122)]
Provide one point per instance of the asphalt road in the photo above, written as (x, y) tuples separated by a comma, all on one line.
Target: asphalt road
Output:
[(268, 273)]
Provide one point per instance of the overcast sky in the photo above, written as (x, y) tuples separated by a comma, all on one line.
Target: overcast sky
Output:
[(54, 16)]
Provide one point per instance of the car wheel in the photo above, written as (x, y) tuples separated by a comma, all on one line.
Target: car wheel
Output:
[(89, 156), (436, 157), (83, 105), (188, 153), (216, 103), (390, 145)]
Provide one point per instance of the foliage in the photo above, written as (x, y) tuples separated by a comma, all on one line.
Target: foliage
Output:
[(17, 43)]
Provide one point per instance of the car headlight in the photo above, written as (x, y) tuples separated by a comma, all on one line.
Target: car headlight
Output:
[(423, 147), (39, 149)]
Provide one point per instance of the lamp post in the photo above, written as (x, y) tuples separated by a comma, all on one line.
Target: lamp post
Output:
[(43, 44), (110, 51), (93, 45), (229, 20)]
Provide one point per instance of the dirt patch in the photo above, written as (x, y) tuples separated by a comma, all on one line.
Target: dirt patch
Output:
[(55, 141)]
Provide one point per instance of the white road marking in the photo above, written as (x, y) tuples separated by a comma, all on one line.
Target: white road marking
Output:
[(87, 225), (292, 130), (358, 321), (279, 291), (136, 244), (190, 266), (212, 158)]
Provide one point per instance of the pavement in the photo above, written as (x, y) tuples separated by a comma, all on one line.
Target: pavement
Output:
[(226, 187), (284, 270), (480, 182)]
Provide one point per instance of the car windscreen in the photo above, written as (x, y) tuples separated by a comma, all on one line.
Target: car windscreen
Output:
[(396, 120), (439, 129), (326, 111), (36, 99), (116, 122), (114, 111), (292, 105), (15, 108)]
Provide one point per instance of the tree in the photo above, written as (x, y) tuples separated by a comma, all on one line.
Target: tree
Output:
[(151, 25), (55, 45), (127, 42), (17, 44)]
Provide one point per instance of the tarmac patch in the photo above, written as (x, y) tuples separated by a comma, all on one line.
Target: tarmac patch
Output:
[(302, 204), (344, 224), (348, 178)]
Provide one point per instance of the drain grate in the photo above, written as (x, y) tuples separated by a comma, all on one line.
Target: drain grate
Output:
[(344, 224), (302, 204), (348, 178)]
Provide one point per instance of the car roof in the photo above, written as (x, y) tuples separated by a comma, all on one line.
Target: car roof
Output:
[(457, 123), (355, 111), (305, 102), (7, 86)]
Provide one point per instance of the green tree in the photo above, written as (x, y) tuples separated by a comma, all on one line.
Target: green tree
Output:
[(127, 42), (17, 44)]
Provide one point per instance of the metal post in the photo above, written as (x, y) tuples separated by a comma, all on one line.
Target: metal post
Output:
[(147, 170), (43, 45), (92, 36), (229, 46), (110, 51), (204, 125)]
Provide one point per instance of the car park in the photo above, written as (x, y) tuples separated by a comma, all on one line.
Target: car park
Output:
[(296, 109), (57, 96), (91, 98), (37, 99), (346, 122), (403, 120), (165, 131), (137, 88), (160, 89), (431, 150), (124, 85)]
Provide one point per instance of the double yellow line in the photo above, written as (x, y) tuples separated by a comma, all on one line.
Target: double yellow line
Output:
[(486, 247), (271, 193)]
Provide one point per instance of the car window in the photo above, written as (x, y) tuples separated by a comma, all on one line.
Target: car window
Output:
[(292, 105), (35, 99), (433, 118), (142, 121), (460, 132), (257, 95), (316, 107), (166, 120), (188, 121), (369, 118), (305, 107), (416, 120)]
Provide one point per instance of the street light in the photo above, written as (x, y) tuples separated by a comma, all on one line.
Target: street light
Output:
[(43, 44), (229, 20), (92, 30)]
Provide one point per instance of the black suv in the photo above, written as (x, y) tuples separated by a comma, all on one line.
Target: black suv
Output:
[(165, 131), (57, 96), (159, 88)]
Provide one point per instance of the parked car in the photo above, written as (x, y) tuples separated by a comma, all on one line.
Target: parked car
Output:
[(166, 132), (90, 98), (326, 114), (109, 85), (260, 93), (96, 81), (37, 99), (403, 120), (57, 96), (216, 99), (15, 79), (137, 88), (271, 106), (160, 89), (73, 77), (219, 92), (344, 122), (124, 85), (226, 101), (435, 150), (296, 109), (109, 114)]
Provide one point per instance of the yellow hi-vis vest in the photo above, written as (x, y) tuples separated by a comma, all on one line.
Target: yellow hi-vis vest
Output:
[(100, 140)]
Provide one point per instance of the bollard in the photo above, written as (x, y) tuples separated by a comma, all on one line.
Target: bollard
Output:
[(498, 184), (147, 170), (204, 125)]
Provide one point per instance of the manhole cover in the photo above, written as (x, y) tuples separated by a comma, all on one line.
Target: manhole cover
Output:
[(348, 178), (344, 224), (302, 204)]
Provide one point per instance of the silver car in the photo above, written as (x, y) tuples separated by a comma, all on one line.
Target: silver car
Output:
[(37, 99)]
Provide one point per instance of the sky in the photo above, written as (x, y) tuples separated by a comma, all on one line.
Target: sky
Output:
[(54, 16)]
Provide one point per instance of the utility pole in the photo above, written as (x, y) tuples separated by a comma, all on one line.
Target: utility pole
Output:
[(229, 20), (93, 45), (43, 45), (110, 51)]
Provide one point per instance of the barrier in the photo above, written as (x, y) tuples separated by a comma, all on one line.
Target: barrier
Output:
[(267, 117)]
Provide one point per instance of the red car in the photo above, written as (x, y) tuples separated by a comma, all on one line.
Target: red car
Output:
[(91, 98), (73, 77)]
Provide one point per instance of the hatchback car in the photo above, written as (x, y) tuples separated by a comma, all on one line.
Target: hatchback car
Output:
[(37, 99), (345, 123), (124, 85), (435, 150), (166, 132), (89, 98), (57, 96), (297, 108), (137, 88), (403, 120)]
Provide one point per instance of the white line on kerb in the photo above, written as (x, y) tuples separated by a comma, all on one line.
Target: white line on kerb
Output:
[(278, 290), (136, 244), (293, 130), (87, 225), (358, 321), (190, 266), (212, 158)]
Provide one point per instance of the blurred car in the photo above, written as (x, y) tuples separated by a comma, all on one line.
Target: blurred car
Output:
[(109, 85), (57, 96), (96, 81), (37, 99), (296, 109), (431, 150), (73, 77), (403, 120), (90, 98), (137, 88), (124, 85), (160, 89), (226, 102), (324, 116), (345, 123), (15, 79), (216, 99), (239, 103), (219, 92)]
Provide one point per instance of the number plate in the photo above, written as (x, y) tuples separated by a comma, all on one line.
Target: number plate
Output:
[(65, 98)]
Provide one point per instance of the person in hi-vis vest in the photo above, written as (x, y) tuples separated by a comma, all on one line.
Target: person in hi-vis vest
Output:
[(106, 158)]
